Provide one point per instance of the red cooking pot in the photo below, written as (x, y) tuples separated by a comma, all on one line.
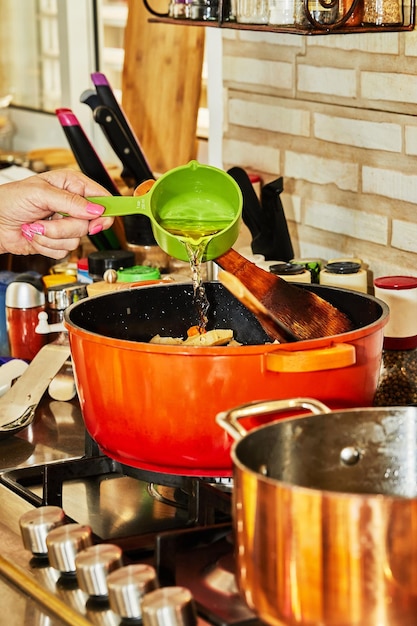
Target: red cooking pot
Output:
[(153, 406)]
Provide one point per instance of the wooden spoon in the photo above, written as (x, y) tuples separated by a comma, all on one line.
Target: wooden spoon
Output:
[(285, 311)]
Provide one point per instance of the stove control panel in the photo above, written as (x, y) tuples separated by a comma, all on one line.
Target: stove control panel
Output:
[(93, 581)]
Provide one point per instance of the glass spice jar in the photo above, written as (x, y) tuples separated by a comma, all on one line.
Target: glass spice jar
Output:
[(252, 11), (382, 12), (397, 384), (345, 274), (322, 11)]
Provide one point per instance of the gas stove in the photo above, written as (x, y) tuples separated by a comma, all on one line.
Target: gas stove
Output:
[(177, 525)]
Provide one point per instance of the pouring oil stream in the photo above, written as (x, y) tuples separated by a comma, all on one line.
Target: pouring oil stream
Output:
[(196, 237)]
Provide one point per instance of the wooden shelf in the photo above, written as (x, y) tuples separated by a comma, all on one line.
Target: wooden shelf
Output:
[(292, 30), (314, 28)]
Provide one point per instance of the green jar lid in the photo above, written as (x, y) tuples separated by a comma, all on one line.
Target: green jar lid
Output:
[(137, 273)]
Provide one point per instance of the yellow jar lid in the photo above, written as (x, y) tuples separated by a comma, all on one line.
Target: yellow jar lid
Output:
[(51, 280)]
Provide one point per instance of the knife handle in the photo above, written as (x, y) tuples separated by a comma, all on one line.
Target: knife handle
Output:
[(121, 144), (85, 155), (108, 98), (91, 165)]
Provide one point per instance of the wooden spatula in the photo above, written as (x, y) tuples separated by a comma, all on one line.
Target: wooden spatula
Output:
[(286, 312), (271, 325)]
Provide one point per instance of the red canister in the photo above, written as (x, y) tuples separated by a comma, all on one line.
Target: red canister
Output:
[(24, 300)]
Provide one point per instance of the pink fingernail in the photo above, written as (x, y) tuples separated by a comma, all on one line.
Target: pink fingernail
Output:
[(26, 232), (94, 209), (95, 229), (37, 229)]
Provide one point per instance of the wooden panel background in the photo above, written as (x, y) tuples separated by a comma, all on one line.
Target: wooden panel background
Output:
[(161, 85)]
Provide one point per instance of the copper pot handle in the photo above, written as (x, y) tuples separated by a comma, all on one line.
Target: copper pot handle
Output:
[(229, 420)]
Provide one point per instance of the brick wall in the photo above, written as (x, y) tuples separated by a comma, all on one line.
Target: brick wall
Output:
[(336, 116)]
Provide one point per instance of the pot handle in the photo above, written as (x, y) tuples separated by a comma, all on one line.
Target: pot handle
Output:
[(334, 356), (229, 420)]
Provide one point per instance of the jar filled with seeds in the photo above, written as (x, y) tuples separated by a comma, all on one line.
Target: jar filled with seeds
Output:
[(398, 377), (382, 12)]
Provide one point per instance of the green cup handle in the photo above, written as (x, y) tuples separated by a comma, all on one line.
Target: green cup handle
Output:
[(123, 205)]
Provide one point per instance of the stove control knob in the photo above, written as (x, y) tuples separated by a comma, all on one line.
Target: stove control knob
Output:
[(64, 543), (94, 564), (169, 606), (127, 587), (35, 526)]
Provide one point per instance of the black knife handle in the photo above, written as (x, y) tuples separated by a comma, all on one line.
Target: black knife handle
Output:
[(85, 155), (90, 164), (121, 144), (108, 98)]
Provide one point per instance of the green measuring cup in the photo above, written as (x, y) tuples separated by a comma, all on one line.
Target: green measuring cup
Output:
[(192, 204)]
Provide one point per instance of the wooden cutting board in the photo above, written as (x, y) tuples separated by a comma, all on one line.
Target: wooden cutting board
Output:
[(161, 85)]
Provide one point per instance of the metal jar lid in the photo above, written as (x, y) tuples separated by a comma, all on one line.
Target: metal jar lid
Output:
[(61, 296), (23, 295)]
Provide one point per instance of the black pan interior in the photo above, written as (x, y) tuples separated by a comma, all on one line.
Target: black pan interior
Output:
[(139, 314)]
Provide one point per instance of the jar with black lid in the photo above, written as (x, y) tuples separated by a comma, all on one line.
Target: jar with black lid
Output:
[(398, 377), (101, 261), (345, 274), (291, 272)]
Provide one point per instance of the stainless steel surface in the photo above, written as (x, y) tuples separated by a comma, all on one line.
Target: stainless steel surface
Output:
[(169, 606), (18, 405), (56, 433), (127, 586), (35, 526), (61, 296), (94, 564)]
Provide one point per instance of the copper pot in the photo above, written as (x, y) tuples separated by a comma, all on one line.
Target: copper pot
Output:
[(325, 514)]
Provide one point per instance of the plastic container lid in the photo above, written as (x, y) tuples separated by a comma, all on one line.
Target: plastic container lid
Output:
[(396, 282), (99, 262), (343, 267), (137, 273), (82, 264), (51, 280), (290, 269)]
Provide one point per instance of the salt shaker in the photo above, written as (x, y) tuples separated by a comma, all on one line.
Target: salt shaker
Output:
[(398, 377)]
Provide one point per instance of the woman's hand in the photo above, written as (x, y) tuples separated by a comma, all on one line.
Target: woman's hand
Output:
[(31, 220)]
